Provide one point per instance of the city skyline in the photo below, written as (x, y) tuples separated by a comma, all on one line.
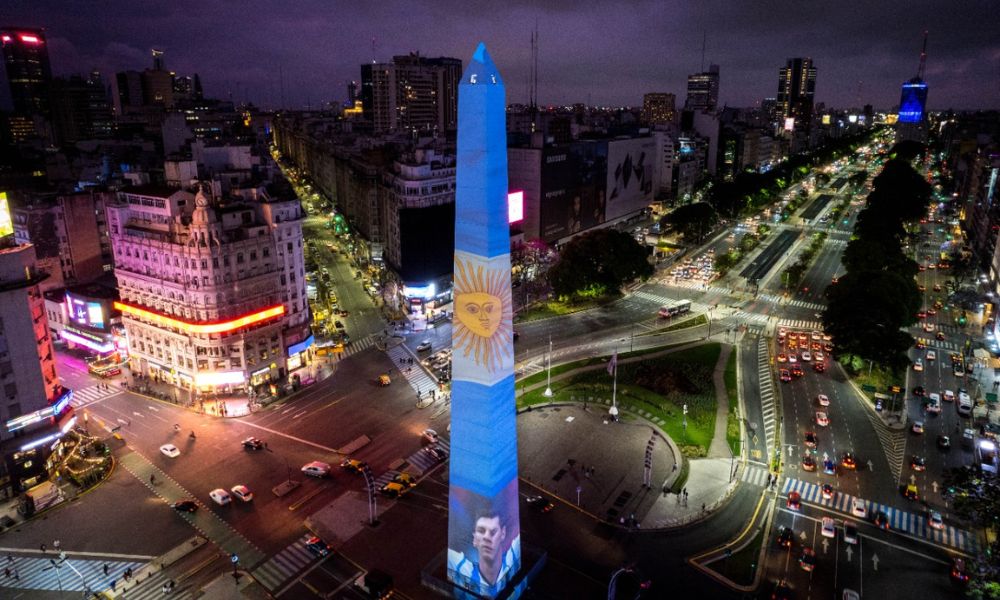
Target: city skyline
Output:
[(859, 58)]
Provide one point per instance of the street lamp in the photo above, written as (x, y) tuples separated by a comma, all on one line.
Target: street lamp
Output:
[(548, 378)]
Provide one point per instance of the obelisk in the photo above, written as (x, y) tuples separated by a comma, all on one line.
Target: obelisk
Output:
[(484, 536)]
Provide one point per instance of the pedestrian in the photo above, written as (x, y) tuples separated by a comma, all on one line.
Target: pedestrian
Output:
[(702, 507), (674, 468), (6, 572), (172, 584), (106, 569), (678, 498), (685, 492), (10, 559), (164, 588), (44, 548)]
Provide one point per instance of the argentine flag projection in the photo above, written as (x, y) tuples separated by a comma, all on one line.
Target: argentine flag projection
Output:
[(484, 535)]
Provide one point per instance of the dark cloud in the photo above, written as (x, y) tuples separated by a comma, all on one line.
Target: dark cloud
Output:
[(607, 52)]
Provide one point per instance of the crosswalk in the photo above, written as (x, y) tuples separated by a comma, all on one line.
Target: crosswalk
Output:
[(755, 475), (768, 399), (802, 324), (71, 575), (893, 443), (899, 520), (94, 393), (152, 587), (285, 564), (748, 318), (773, 299), (660, 300), (693, 284), (419, 379), (357, 346)]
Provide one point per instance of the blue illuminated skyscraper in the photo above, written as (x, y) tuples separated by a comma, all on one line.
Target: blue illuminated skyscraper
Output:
[(912, 121), (484, 537)]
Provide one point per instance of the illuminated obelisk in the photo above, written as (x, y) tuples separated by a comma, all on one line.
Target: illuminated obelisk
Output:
[(484, 541)]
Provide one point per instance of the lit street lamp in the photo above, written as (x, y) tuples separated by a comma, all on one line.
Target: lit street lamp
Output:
[(548, 378)]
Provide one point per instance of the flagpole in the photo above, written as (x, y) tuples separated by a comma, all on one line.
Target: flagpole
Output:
[(613, 411), (548, 378)]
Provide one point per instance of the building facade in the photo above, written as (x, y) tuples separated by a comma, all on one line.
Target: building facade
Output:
[(213, 295), (703, 90), (796, 91), (29, 74), (658, 108), (411, 93)]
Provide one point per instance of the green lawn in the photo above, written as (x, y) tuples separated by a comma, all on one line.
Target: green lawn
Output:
[(555, 308), (878, 377), (733, 418), (660, 386), (693, 321)]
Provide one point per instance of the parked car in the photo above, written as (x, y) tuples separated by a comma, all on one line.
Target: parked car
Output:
[(220, 496), (242, 492), (185, 505)]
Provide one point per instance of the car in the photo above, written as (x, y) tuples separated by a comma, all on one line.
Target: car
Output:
[(931, 312), (424, 346), (782, 358), (782, 591), (968, 438), (540, 503), (918, 463), (881, 520), (931, 355), (944, 442), (242, 492), (808, 463), (405, 478), (823, 400), (921, 315), (785, 538), (808, 559), (317, 546), (827, 491), (806, 357), (819, 356), (785, 375), (939, 336), (917, 427), (792, 358), (797, 371), (430, 436), (252, 443), (920, 344), (935, 520), (919, 391), (394, 489), (958, 572), (794, 501), (810, 439), (850, 595), (170, 451), (850, 533), (316, 469), (338, 324), (918, 365), (819, 367), (829, 467), (828, 528), (816, 335), (848, 461), (185, 505), (933, 404), (816, 346), (911, 492), (828, 347), (948, 396), (957, 370), (803, 337), (793, 343), (859, 508), (220, 496), (822, 419), (353, 465), (437, 452)]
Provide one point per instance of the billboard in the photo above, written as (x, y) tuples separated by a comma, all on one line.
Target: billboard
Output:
[(630, 176), (6, 224), (84, 312), (572, 189)]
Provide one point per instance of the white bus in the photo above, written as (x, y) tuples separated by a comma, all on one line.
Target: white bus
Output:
[(677, 308)]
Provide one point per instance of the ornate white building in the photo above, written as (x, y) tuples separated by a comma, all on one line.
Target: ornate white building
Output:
[(212, 293)]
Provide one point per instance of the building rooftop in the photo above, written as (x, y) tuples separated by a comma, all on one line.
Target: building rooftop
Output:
[(152, 189)]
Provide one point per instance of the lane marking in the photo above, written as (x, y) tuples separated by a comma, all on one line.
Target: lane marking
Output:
[(80, 553)]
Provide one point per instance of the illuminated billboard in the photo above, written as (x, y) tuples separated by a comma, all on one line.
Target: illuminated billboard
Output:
[(515, 207), (630, 177), (912, 102), (6, 224), (84, 312), (826, 119), (789, 123)]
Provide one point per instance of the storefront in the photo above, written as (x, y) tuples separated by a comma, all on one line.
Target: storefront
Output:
[(31, 456), (300, 354)]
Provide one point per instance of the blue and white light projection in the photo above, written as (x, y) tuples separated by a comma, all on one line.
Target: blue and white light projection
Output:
[(484, 535), (913, 101)]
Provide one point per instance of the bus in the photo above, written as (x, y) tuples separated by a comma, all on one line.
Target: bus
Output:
[(676, 308)]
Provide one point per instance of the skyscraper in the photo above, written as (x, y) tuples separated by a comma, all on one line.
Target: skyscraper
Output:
[(913, 104), (26, 58), (484, 537), (703, 89), (658, 108), (796, 88), (412, 93)]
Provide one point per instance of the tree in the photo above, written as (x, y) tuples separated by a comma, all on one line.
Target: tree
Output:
[(598, 262), (975, 496), (879, 254), (693, 221), (900, 190)]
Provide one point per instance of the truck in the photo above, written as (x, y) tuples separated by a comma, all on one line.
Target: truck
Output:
[(40, 497)]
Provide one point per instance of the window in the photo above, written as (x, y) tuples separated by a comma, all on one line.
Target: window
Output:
[(239, 258), (266, 252), (253, 255)]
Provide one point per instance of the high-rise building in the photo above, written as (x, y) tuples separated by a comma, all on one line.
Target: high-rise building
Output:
[(796, 89), (158, 83), (36, 409), (80, 109), (213, 294), (26, 58), (658, 108), (912, 121), (703, 90), (412, 93)]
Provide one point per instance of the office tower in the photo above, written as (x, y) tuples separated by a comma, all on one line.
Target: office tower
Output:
[(26, 58), (912, 123), (80, 109), (658, 108), (158, 83), (484, 541), (228, 309), (352, 92), (412, 93), (703, 89), (796, 88)]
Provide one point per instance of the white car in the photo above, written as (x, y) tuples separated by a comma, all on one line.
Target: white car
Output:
[(430, 436), (220, 496), (858, 508), (822, 419), (931, 355), (934, 403), (316, 469), (918, 365), (935, 520), (170, 450), (949, 396), (816, 335), (242, 492), (806, 357), (918, 427), (819, 356), (829, 529), (928, 327), (823, 400), (424, 345), (792, 358)]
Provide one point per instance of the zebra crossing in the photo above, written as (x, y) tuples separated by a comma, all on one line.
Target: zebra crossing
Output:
[(694, 284), (755, 475), (285, 564), (768, 399), (899, 520), (772, 299), (422, 460), (152, 587), (419, 379), (363, 344), (71, 575), (93, 393), (893, 443), (801, 324), (748, 318)]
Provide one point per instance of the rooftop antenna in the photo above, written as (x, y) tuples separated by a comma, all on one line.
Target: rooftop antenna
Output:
[(281, 78), (373, 50), (534, 68), (923, 58), (704, 36)]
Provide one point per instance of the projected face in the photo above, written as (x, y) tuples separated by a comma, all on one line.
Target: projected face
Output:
[(483, 314), (484, 539), (479, 312)]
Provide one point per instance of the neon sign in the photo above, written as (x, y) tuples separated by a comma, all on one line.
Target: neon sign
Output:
[(30, 39), (217, 327), (95, 346)]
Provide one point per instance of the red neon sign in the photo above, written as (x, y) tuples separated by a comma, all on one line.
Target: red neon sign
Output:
[(6, 38), (29, 39), (217, 327)]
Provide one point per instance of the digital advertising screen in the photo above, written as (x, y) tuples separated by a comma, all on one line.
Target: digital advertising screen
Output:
[(6, 224), (85, 312), (484, 539), (573, 197), (630, 176)]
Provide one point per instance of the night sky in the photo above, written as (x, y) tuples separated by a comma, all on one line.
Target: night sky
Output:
[(606, 52)]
